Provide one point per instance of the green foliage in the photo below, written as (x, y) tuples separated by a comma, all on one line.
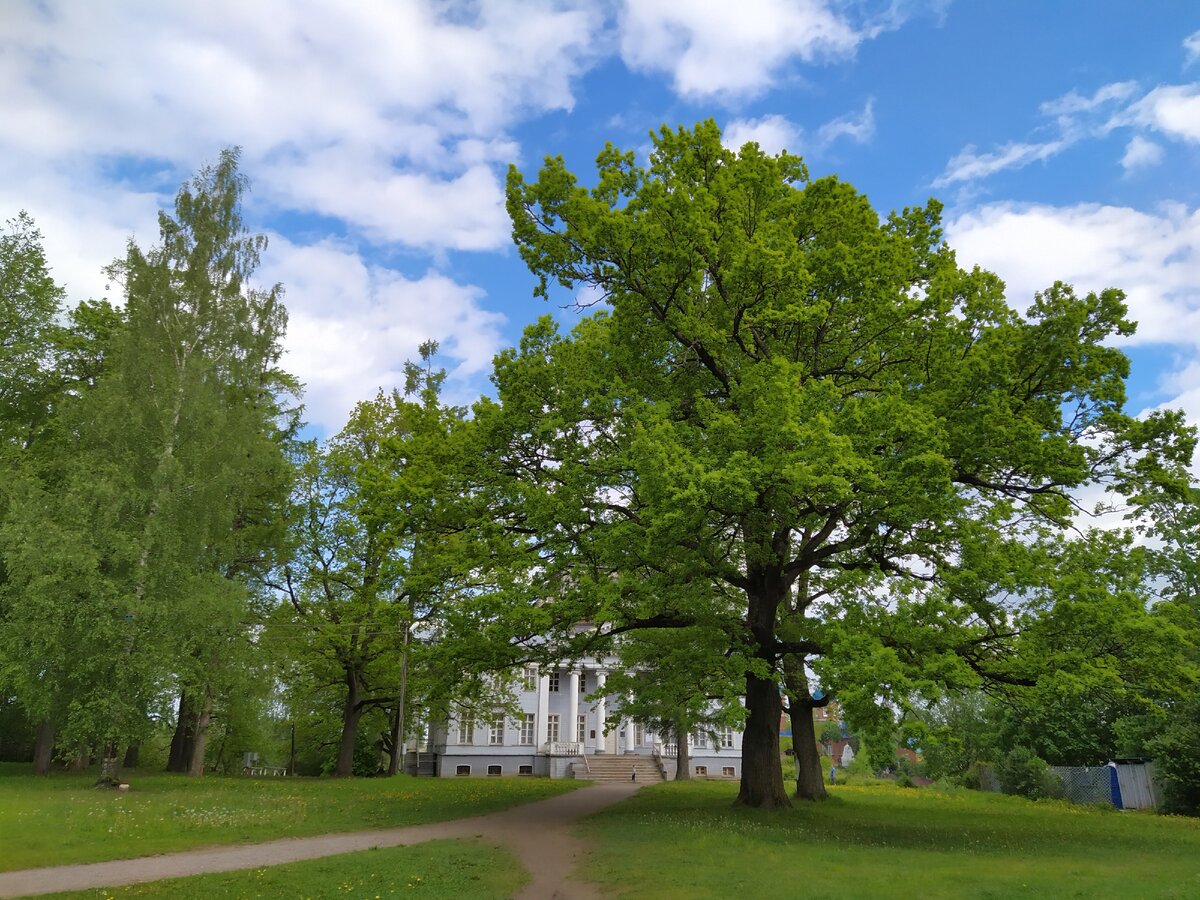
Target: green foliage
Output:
[(802, 420), (1176, 752), (375, 561), (30, 301), (1021, 771), (134, 546)]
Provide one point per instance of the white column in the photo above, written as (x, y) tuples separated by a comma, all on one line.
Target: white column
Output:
[(572, 707), (630, 737), (601, 710), (543, 711)]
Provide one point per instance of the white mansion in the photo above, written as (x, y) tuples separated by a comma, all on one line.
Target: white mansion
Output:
[(560, 733)]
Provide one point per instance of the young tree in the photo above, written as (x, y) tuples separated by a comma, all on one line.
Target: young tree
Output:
[(788, 386), (678, 681)]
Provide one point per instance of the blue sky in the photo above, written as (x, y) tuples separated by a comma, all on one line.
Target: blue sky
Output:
[(1063, 138)]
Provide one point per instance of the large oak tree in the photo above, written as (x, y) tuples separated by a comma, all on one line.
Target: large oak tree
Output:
[(789, 396)]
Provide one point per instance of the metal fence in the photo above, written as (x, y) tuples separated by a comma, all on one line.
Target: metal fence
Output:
[(1085, 784)]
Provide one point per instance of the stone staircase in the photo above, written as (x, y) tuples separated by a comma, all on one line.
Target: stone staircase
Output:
[(613, 768)]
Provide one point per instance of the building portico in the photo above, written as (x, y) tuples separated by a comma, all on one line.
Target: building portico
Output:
[(564, 717)]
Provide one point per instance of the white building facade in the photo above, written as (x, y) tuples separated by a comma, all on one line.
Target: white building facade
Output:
[(558, 730)]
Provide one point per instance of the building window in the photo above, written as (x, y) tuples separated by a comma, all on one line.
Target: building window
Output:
[(529, 679), (725, 738), (700, 739), (581, 730), (496, 730), (701, 770), (639, 735), (524, 770), (552, 729), (583, 682), (462, 770), (553, 683), (493, 770), (727, 771), (466, 730), (527, 728)]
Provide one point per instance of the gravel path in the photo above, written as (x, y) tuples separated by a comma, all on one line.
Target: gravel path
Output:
[(538, 833)]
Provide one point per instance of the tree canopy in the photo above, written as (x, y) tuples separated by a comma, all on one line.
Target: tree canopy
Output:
[(789, 396)]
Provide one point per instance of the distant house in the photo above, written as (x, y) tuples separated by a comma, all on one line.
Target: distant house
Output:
[(558, 733)]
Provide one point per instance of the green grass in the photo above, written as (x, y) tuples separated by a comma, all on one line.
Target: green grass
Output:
[(62, 819), (686, 841), (454, 870)]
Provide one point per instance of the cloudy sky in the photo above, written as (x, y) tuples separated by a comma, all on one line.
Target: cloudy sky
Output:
[(1064, 139)]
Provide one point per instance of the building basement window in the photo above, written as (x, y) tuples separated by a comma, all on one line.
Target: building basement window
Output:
[(524, 770), (494, 770), (462, 770), (727, 771)]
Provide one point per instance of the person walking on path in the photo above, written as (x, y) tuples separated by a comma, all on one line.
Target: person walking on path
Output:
[(633, 774)]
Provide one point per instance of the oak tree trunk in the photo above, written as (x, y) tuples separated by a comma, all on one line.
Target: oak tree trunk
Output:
[(131, 756), (110, 769), (185, 732), (43, 747), (351, 713), (762, 774), (683, 759), (200, 742), (810, 780)]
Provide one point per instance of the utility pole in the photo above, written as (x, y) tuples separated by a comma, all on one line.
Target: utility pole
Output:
[(398, 732)]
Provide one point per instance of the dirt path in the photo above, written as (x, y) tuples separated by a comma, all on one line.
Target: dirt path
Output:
[(538, 833)]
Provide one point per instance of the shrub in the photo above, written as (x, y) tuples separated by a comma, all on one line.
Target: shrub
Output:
[(1177, 762), (1023, 772)]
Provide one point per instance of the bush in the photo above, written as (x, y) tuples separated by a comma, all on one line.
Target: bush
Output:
[(1023, 772), (1177, 762)]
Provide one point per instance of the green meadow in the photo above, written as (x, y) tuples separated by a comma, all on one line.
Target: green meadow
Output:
[(62, 819), (682, 840), (687, 841), (439, 870)]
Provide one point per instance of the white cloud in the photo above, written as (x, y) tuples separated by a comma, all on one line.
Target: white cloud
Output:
[(1072, 103), (352, 326), (1154, 258), (412, 208), (714, 48), (85, 224), (1191, 47), (773, 134), (1173, 110), (422, 90), (969, 165), (1141, 153), (860, 127)]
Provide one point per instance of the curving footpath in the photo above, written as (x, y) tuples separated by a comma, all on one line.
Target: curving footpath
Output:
[(537, 833)]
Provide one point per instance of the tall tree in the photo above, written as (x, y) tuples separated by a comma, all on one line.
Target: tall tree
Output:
[(176, 462), (788, 385), (363, 584)]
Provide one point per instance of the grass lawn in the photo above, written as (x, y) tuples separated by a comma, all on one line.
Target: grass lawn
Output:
[(454, 870), (686, 841), (62, 819)]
